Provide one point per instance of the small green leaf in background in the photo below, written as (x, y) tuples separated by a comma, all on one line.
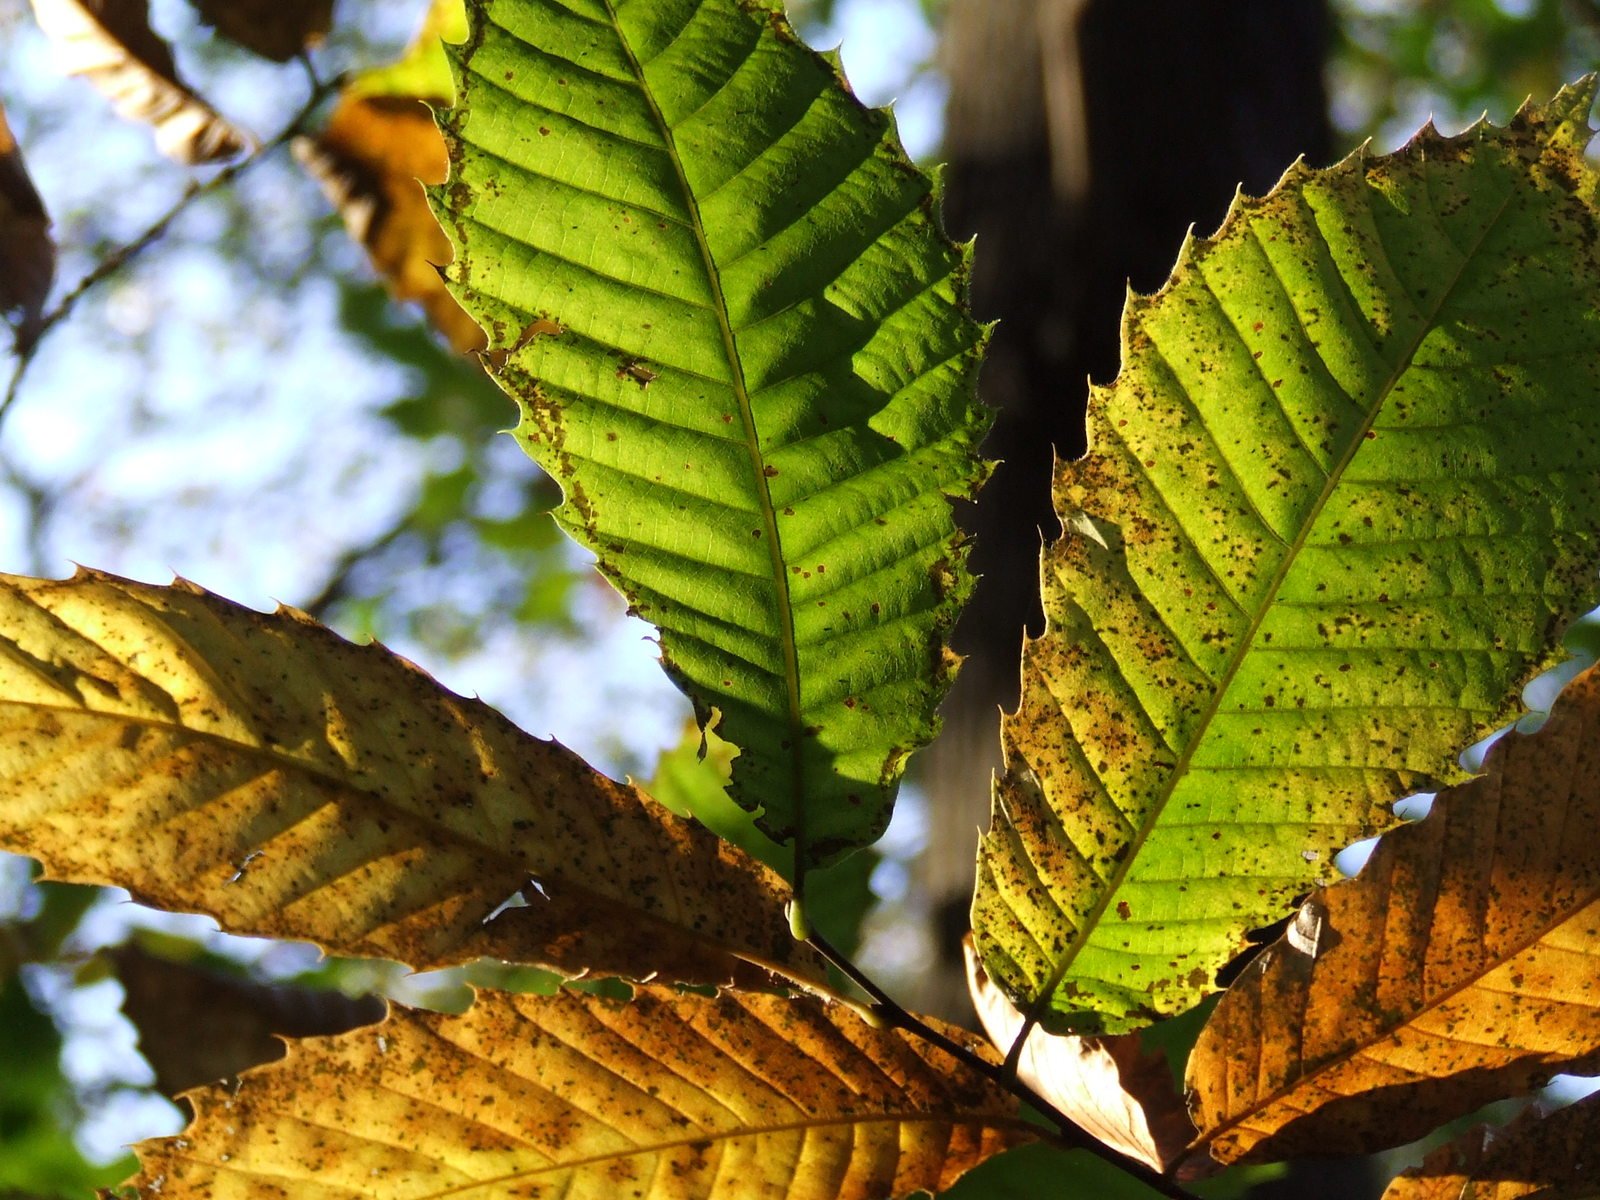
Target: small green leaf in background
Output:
[(691, 779), (739, 340), (1338, 508)]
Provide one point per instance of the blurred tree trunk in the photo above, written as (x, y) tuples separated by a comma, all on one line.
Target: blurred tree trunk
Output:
[(1084, 137)]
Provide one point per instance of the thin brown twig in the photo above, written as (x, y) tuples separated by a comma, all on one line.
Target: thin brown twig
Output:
[(126, 253), (336, 585), (1069, 1133)]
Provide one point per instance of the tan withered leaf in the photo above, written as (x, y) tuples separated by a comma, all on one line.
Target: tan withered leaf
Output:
[(372, 161), (110, 43), (196, 1026), (275, 29), (679, 1096), (263, 770), (1461, 966), (1109, 1086), (1535, 1157), (27, 255)]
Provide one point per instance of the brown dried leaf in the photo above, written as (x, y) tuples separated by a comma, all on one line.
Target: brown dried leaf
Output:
[(372, 161), (197, 1026), (1535, 1157), (275, 29), (1461, 966), (27, 255), (263, 770), (111, 44), (1109, 1086), (670, 1095)]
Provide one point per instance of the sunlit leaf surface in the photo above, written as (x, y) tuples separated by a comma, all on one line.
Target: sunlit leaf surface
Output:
[(669, 1096), (1338, 506), (1111, 1087), (740, 342), (261, 769), (1461, 966)]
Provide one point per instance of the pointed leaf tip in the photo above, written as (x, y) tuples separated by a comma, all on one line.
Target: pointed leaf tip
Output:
[(764, 394), (1338, 505)]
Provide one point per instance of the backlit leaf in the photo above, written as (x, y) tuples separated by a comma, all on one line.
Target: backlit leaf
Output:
[(669, 1096), (1461, 966), (111, 44), (1338, 507), (740, 343), (27, 255), (265, 771), (1536, 1157)]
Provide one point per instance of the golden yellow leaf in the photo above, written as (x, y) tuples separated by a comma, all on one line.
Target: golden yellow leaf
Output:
[(263, 770), (275, 29), (1461, 966), (111, 44), (1536, 1157), (1109, 1086), (669, 1097), (27, 255)]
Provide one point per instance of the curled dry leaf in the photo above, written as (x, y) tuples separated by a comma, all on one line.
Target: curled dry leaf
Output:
[(1461, 966), (111, 44), (1109, 1086), (372, 161), (196, 1026), (275, 29), (27, 255), (263, 770), (1536, 1157), (670, 1096)]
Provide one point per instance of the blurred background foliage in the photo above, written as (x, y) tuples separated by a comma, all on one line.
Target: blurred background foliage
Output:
[(244, 404)]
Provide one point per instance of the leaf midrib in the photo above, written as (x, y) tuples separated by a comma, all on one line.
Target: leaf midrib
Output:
[(1335, 478), (924, 1117), (768, 511), (1261, 1104), (1547, 926), (437, 830)]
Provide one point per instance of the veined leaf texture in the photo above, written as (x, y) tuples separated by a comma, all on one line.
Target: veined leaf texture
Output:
[(669, 1097), (1337, 507), (261, 769), (1461, 966), (739, 340)]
